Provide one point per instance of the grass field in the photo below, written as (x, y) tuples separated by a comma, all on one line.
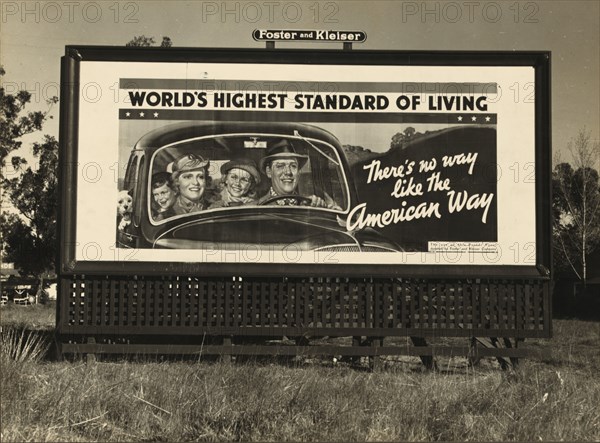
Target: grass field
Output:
[(42, 400)]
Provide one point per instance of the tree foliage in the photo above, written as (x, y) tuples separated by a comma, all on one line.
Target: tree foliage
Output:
[(576, 207), (143, 41), (29, 234), (15, 123), (400, 139)]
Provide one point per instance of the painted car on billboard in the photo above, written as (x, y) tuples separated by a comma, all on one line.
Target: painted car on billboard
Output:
[(311, 215)]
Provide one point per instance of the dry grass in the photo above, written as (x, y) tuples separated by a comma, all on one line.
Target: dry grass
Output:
[(553, 399)]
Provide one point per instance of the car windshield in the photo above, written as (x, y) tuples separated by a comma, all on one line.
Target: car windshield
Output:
[(233, 171)]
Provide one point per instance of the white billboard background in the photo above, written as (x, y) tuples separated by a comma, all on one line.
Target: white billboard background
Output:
[(99, 164)]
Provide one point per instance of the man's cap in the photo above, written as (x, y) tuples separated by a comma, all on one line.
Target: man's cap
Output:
[(242, 163), (282, 149), (189, 162)]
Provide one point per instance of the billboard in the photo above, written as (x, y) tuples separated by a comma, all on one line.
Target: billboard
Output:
[(296, 162)]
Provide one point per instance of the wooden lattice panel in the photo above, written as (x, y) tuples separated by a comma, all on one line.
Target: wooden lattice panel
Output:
[(324, 306)]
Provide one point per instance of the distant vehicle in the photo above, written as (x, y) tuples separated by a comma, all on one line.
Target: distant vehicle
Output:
[(267, 226)]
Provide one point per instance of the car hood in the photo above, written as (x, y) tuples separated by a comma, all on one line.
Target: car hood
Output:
[(298, 229)]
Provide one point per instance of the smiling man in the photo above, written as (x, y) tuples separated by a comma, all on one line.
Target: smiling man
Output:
[(190, 177), (282, 165)]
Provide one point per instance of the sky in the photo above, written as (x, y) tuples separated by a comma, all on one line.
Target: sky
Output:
[(33, 36)]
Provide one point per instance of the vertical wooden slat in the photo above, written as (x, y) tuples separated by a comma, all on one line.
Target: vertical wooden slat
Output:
[(171, 306), (395, 299), (221, 301), (149, 301), (237, 286), (412, 305), (546, 306), (367, 289), (488, 306), (202, 303), (519, 306), (94, 301), (280, 305), (481, 305), (528, 315), (210, 291), (404, 291), (75, 302), (192, 310), (536, 304), (307, 303), (510, 306), (423, 305), (387, 295), (344, 301), (291, 303), (245, 301), (227, 302), (465, 299), (138, 301), (431, 302), (161, 300), (104, 294), (501, 304), (180, 302), (473, 305), (122, 307), (298, 302)]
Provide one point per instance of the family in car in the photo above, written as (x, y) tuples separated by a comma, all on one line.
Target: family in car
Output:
[(188, 188)]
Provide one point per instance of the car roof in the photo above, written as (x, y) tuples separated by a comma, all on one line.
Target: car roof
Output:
[(188, 130)]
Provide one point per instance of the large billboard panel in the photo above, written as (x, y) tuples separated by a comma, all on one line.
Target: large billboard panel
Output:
[(326, 164)]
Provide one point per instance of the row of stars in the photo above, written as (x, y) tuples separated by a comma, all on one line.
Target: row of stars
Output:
[(473, 118), (142, 114)]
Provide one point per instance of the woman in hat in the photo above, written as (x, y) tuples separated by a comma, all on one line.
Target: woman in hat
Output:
[(190, 179), (238, 182)]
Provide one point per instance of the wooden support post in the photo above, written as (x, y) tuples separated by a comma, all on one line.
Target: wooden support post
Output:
[(375, 360), (356, 341), (473, 359), (427, 360), (226, 355), (90, 357)]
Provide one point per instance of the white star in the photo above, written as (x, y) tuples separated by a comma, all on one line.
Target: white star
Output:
[(460, 118), (488, 118), (141, 114), (473, 118), (155, 114), (127, 114)]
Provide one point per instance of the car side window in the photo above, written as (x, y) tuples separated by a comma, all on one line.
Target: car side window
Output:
[(131, 174), (138, 192)]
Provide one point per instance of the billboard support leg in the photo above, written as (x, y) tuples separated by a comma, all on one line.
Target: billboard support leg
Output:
[(427, 360), (375, 360), (90, 357), (226, 355)]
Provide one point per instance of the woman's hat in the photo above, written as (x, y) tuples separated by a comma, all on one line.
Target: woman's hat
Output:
[(189, 162), (282, 149), (242, 163)]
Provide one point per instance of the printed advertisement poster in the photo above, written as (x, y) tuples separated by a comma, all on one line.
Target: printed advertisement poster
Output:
[(237, 163)]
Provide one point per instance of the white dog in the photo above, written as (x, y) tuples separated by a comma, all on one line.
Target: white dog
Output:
[(124, 208)]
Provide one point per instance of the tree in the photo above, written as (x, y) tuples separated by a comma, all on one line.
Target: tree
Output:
[(14, 123), (29, 235), (144, 41), (402, 138), (576, 206)]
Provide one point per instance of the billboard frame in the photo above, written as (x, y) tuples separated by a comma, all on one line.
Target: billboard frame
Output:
[(70, 86)]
